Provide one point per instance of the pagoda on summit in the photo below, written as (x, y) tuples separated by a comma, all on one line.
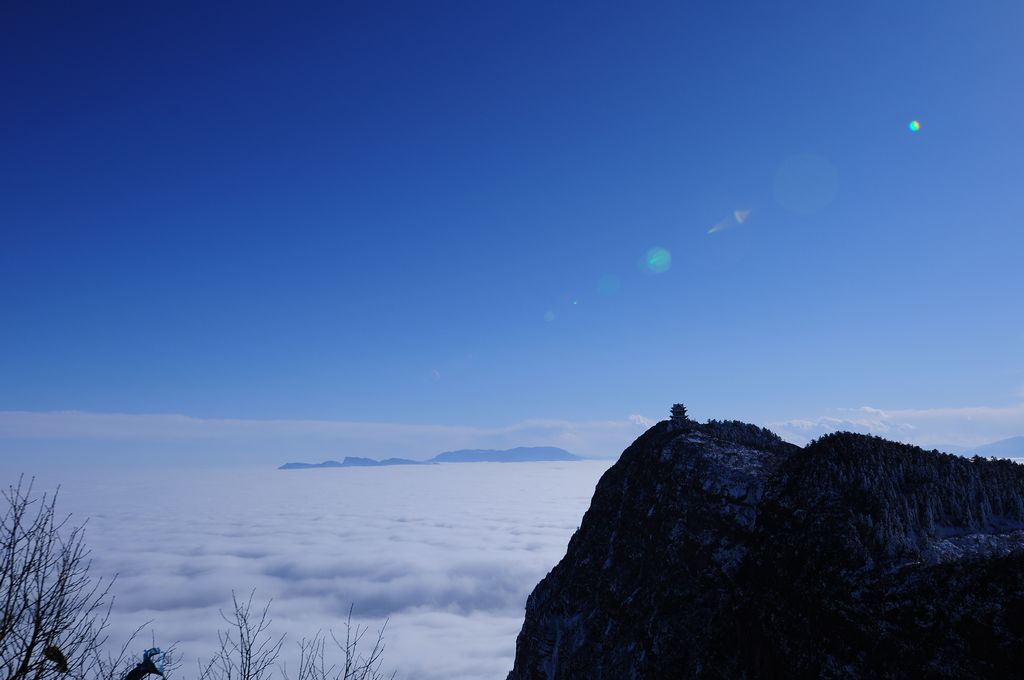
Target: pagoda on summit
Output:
[(679, 419)]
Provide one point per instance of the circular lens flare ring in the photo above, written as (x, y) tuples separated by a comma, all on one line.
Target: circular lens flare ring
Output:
[(658, 260)]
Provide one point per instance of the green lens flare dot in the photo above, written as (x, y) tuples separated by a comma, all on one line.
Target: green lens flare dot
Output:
[(658, 260)]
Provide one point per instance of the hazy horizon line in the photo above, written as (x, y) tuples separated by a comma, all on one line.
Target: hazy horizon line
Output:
[(68, 431)]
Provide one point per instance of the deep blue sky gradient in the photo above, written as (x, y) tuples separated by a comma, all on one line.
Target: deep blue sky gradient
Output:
[(364, 211)]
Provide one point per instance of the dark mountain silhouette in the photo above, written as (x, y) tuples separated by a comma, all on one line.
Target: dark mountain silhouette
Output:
[(521, 454), (718, 550), (350, 461), (306, 466)]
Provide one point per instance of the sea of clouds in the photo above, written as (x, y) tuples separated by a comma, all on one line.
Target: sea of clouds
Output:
[(447, 554)]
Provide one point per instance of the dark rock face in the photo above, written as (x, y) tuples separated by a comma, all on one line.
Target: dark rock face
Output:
[(719, 551)]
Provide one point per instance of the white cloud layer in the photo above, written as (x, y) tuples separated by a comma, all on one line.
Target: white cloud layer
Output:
[(446, 553), (962, 427)]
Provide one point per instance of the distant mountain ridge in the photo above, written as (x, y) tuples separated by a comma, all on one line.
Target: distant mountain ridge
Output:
[(521, 454), (1004, 448)]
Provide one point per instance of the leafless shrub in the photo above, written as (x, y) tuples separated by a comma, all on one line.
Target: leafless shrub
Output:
[(53, 613), (248, 650), (352, 664)]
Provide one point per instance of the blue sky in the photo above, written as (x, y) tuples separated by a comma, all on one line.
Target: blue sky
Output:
[(438, 213)]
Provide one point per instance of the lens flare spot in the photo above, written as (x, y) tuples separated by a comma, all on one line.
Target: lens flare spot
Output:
[(658, 260), (549, 316), (722, 224), (915, 126), (738, 217)]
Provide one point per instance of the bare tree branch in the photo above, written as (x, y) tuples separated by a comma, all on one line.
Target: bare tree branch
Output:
[(53, 615)]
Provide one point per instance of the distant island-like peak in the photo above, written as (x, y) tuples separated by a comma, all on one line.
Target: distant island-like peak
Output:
[(522, 454)]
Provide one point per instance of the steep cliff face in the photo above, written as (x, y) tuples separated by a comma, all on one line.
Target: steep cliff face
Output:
[(718, 550)]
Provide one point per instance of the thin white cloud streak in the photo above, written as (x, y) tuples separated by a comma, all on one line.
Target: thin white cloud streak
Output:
[(602, 438), (956, 426)]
